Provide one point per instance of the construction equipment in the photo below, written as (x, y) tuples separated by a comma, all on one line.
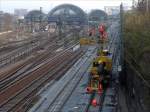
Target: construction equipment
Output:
[(100, 72), (87, 41)]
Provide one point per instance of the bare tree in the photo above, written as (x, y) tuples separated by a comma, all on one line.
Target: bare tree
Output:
[(144, 5), (7, 19)]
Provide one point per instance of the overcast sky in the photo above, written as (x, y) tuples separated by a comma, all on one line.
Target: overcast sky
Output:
[(47, 5)]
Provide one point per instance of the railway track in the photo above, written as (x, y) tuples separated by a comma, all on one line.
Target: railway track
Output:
[(20, 45), (16, 89), (60, 100), (29, 82), (11, 76), (17, 73), (29, 47), (56, 77), (63, 93), (6, 79)]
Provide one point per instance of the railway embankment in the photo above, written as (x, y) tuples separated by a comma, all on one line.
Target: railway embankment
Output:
[(136, 33)]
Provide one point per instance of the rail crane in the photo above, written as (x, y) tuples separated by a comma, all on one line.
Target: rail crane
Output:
[(100, 72)]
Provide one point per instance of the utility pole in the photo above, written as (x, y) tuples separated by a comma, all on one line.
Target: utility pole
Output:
[(133, 3), (60, 27), (40, 18), (31, 20), (147, 5), (121, 34), (0, 17)]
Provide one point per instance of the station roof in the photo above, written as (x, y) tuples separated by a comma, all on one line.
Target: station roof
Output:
[(67, 13), (97, 15), (35, 15)]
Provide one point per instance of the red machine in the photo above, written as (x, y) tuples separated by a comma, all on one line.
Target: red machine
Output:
[(101, 29), (103, 34)]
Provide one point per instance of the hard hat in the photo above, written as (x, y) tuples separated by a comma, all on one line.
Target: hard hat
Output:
[(105, 50), (99, 61)]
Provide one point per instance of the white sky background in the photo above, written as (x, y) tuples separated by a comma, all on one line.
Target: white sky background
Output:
[(47, 5)]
